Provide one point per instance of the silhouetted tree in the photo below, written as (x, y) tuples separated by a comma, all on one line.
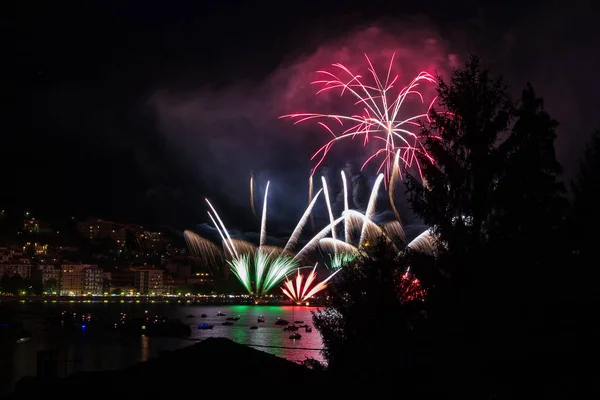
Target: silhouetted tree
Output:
[(16, 284), (580, 275), (462, 139), (367, 330), (494, 201), (457, 198), (530, 204), (586, 202), (51, 286)]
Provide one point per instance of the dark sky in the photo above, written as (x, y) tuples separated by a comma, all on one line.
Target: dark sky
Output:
[(139, 110)]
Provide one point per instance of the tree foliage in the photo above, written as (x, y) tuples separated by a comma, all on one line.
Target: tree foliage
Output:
[(494, 200), (367, 328), (462, 136), (586, 191)]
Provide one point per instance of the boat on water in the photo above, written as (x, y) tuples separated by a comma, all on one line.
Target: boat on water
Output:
[(233, 318), (203, 316), (227, 323), (205, 326), (155, 326), (295, 336), (220, 314), (298, 322), (291, 328), (281, 321), (189, 316), (261, 319), (254, 327), (24, 336)]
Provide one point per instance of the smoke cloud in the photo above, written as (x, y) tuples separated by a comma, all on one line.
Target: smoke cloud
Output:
[(225, 135)]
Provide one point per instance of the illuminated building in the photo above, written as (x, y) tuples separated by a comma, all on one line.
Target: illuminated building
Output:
[(149, 280), (96, 228), (35, 248), (31, 225), (21, 267), (80, 279)]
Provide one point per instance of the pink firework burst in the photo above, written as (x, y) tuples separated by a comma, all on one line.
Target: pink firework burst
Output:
[(301, 290), (380, 116)]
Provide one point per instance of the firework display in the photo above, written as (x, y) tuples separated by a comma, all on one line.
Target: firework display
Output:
[(258, 268), (300, 289), (410, 288), (380, 116)]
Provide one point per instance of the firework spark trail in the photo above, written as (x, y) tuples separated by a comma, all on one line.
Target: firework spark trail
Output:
[(370, 208), (298, 230), (232, 247), (203, 248), (371, 230), (424, 243), (315, 240), (396, 175), (261, 261), (310, 197), (303, 290), (269, 264), (329, 244), (227, 243), (252, 195), (328, 202), (346, 207), (394, 230), (263, 223), (239, 267), (378, 119), (280, 267)]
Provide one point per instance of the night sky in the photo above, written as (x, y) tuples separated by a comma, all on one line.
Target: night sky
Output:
[(138, 111)]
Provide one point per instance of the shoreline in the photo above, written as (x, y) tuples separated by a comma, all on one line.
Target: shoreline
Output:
[(175, 300)]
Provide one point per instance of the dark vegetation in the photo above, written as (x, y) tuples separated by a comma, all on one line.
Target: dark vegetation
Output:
[(510, 299)]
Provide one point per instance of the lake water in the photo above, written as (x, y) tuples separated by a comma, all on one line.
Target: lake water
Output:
[(87, 350)]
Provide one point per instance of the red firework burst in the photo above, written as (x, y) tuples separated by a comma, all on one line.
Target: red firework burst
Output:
[(410, 288), (379, 118)]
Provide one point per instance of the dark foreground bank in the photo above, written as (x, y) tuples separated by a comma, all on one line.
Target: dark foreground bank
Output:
[(213, 366)]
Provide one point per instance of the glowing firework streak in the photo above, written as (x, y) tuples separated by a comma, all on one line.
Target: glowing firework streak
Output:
[(252, 195), (378, 119), (425, 243), (312, 243), (239, 267), (204, 249), (226, 242), (302, 290), (370, 208), (346, 207), (328, 202), (310, 197), (260, 268), (395, 177), (341, 259), (298, 230), (394, 229), (340, 253), (263, 223)]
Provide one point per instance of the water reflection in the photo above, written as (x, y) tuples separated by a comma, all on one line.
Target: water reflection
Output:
[(86, 349)]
